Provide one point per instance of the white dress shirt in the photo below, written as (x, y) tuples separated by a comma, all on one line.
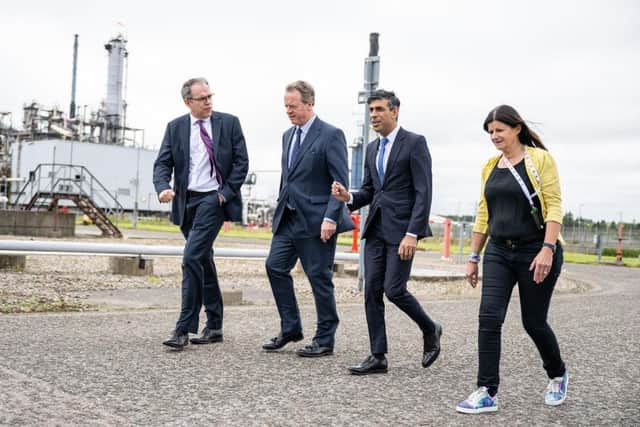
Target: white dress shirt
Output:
[(200, 177), (387, 150), (305, 130)]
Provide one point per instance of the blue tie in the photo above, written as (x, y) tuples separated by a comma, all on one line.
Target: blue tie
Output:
[(296, 148), (383, 144)]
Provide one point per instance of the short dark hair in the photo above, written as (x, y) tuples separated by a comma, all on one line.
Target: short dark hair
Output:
[(307, 94), (510, 117), (389, 95)]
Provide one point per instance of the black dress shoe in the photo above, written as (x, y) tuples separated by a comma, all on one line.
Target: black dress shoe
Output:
[(371, 365), (432, 347), (276, 343), (208, 336), (177, 340), (314, 350)]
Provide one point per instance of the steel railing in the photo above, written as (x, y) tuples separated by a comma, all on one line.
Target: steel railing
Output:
[(32, 247), (68, 179)]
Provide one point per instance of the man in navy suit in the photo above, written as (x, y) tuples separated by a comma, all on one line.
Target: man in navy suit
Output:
[(206, 153), (397, 185), (306, 221)]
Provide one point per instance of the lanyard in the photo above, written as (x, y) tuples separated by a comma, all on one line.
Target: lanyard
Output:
[(518, 178)]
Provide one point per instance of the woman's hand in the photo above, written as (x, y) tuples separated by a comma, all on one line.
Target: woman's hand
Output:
[(541, 264), (471, 273)]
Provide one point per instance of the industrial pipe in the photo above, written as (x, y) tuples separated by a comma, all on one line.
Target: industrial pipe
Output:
[(68, 248)]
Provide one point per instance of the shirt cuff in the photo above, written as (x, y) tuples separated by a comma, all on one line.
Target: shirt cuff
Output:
[(329, 220), (415, 236), (350, 202)]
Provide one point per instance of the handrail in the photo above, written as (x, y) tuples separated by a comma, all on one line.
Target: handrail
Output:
[(83, 248), (110, 202)]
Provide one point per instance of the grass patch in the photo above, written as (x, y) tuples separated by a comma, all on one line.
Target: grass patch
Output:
[(345, 239), (579, 258), (38, 304)]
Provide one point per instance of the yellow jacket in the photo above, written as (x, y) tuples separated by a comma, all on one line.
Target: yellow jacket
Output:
[(549, 194)]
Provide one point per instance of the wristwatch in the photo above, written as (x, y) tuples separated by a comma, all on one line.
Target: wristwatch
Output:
[(551, 246)]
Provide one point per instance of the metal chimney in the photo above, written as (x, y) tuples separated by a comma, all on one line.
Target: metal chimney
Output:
[(72, 107), (114, 104)]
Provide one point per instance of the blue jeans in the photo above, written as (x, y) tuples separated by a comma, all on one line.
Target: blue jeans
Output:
[(503, 267)]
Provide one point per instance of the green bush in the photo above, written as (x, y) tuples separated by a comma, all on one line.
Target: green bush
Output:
[(626, 253)]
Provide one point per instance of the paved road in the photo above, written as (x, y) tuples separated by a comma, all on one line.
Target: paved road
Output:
[(109, 368)]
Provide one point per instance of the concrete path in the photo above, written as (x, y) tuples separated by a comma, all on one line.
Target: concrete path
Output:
[(110, 368)]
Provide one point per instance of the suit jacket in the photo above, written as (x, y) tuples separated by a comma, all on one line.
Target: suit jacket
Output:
[(231, 159), (306, 185), (403, 201)]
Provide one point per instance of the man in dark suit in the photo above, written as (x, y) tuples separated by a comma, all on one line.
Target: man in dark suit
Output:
[(207, 155), (397, 185), (306, 221)]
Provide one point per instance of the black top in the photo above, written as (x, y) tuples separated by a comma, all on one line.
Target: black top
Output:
[(509, 210)]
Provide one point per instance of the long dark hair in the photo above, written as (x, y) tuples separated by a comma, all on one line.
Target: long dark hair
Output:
[(509, 116)]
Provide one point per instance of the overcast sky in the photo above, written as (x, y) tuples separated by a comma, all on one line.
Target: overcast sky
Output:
[(572, 67)]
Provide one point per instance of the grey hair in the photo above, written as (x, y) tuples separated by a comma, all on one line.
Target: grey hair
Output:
[(307, 94), (186, 87)]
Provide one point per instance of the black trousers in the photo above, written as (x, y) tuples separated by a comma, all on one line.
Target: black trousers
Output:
[(317, 258), (202, 221), (503, 267), (386, 274)]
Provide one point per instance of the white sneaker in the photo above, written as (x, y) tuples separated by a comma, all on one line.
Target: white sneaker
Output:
[(478, 402), (556, 391)]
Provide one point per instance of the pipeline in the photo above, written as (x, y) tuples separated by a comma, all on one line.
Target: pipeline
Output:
[(32, 247)]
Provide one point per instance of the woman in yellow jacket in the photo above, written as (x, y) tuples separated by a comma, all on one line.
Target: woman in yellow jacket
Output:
[(520, 211)]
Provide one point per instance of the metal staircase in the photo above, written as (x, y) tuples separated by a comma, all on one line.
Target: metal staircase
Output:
[(49, 184)]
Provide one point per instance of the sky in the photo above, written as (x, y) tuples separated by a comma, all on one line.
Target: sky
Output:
[(569, 67)]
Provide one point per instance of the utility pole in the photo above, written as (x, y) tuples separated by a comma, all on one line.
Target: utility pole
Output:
[(371, 77), (136, 180)]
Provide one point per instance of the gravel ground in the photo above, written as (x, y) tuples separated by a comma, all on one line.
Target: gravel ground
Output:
[(109, 368), (66, 283)]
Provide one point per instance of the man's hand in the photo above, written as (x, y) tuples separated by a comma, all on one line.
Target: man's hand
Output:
[(339, 192), (407, 247), (327, 230), (166, 195)]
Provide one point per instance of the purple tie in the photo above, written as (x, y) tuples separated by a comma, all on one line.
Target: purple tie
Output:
[(206, 139)]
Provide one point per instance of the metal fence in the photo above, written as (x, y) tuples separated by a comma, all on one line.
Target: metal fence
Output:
[(579, 238)]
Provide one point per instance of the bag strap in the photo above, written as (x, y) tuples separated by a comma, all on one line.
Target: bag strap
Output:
[(519, 179)]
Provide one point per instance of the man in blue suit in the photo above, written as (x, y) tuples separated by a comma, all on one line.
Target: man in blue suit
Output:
[(306, 221), (397, 185), (206, 153)]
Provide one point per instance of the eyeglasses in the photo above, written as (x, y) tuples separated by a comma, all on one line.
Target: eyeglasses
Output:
[(203, 98)]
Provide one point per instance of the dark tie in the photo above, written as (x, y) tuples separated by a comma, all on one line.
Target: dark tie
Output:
[(296, 148), (206, 139), (381, 149)]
